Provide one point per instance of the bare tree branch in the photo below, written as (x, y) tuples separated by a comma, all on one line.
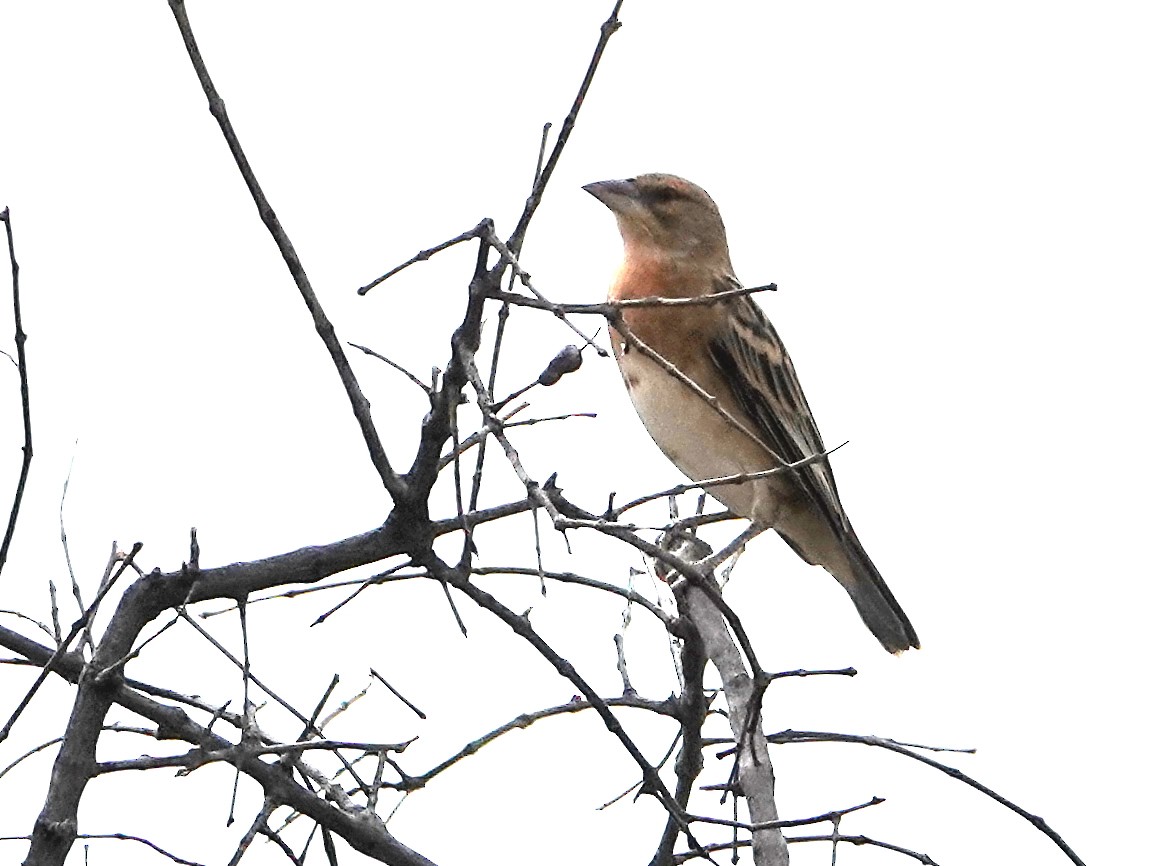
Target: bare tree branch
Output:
[(424, 256), (755, 772), (611, 26), (124, 837), (395, 485), (665, 708), (361, 829), (952, 772), (77, 627), (851, 840), (520, 626), (25, 404), (612, 309), (692, 710), (866, 840)]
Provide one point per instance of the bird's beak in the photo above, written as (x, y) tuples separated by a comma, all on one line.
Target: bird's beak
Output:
[(612, 192)]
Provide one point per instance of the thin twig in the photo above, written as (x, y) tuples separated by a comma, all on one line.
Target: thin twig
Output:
[(839, 672), (330, 746), (520, 626), (77, 627), (342, 707), (665, 708), (126, 729), (362, 585), (25, 405), (311, 724), (397, 694), (622, 666), (721, 481), (510, 258), (240, 665), (57, 633), (118, 666), (261, 820), (428, 391), (467, 545), (458, 448), (866, 840), (678, 859), (788, 822), (114, 556), (952, 772), (610, 309), (124, 837), (64, 536), (246, 702), (610, 26), (569, 577), (541, 152), (27, 618), (395, 485), (480, 436), (422, 256)]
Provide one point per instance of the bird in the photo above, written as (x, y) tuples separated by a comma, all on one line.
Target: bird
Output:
[(745, 411)]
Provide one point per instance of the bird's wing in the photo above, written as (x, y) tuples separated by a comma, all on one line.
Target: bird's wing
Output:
[(750, 355)]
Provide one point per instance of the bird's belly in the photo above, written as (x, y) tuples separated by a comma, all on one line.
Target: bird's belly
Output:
[(700, 441)]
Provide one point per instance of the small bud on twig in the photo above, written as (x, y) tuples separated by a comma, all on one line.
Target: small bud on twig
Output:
[(565, 361)]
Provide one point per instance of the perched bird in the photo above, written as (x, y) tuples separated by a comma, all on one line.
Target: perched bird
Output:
[(675, 247)]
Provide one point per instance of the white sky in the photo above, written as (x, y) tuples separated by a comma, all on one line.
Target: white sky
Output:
[(955, 202)]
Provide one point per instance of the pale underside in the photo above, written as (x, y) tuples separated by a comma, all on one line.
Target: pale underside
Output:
[(699, 440), (703, 444)]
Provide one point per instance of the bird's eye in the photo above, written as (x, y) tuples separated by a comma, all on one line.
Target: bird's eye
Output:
[(663, 194)]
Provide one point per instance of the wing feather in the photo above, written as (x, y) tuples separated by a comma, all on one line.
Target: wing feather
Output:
[(751, 356)]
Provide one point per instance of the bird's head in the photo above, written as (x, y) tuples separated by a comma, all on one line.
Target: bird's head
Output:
[(664, 213)]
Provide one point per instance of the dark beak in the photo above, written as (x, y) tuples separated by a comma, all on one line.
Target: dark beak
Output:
[(609, 191)]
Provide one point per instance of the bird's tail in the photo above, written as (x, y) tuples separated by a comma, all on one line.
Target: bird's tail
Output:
[(875, 603), (840, 552)]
